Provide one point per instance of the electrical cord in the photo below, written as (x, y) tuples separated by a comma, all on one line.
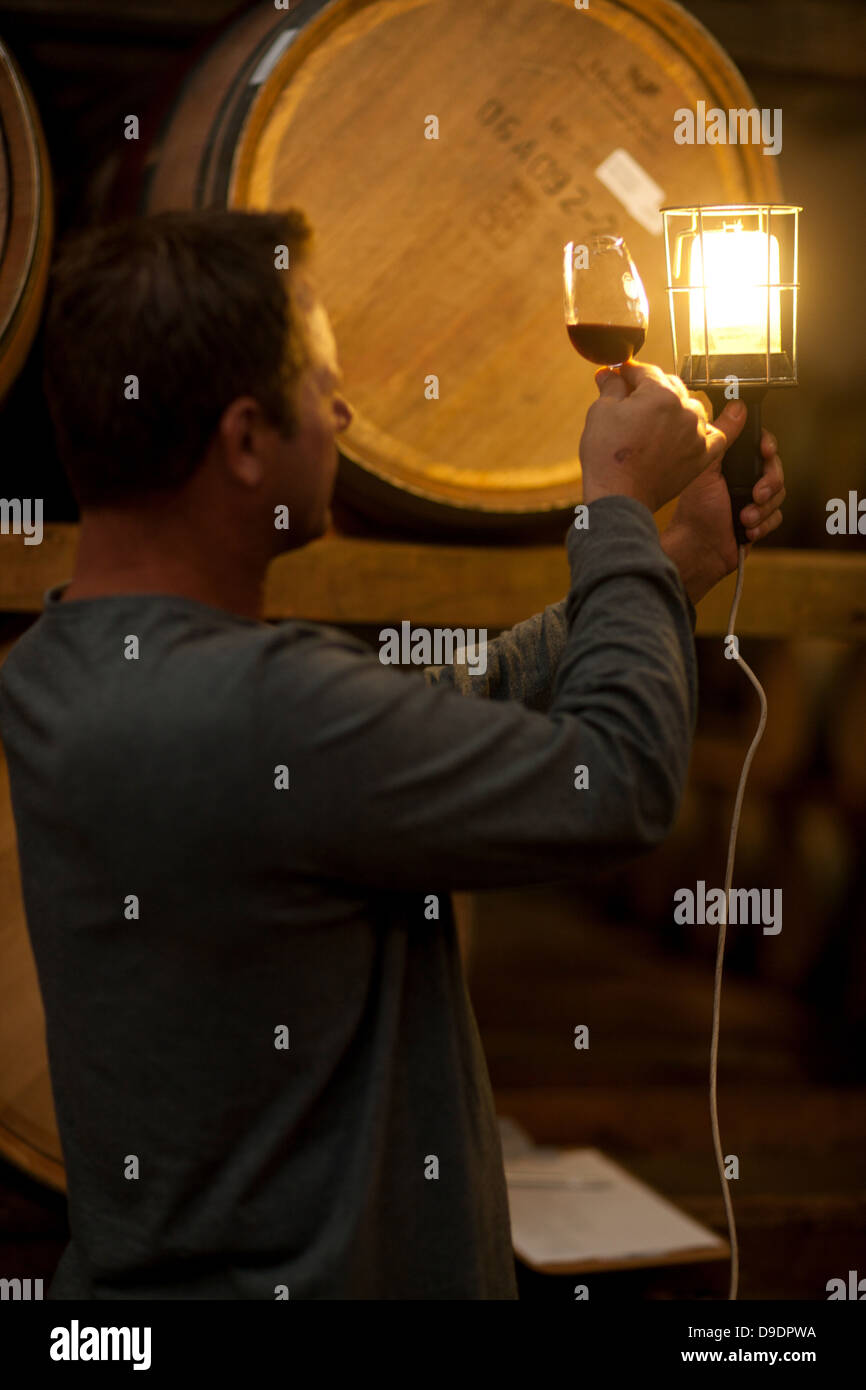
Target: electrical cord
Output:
[(720, 952)]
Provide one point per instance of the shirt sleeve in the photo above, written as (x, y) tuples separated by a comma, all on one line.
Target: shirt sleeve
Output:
[(399, 783), (521, 662)]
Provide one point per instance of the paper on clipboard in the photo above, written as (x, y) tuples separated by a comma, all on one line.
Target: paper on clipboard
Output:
[(576, 1209)]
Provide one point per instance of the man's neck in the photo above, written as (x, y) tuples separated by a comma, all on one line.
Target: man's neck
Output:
[(117, 555)]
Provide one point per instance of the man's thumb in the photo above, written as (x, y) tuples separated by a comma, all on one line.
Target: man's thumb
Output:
[(610, 384), (731, 420)]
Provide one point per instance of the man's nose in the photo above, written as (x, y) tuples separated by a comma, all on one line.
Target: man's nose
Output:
[(345, 414)]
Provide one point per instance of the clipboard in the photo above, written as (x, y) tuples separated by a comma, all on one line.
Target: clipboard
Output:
[(575, 1211)]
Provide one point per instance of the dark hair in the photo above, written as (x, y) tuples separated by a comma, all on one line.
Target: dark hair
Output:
[(193, 305)]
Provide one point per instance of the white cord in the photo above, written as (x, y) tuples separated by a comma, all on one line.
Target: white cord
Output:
[(720, 953)]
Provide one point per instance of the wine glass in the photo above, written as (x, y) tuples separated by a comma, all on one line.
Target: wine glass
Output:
[(606, 309)]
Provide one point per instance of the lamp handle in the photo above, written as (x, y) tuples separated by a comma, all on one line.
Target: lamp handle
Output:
[(743, 463)]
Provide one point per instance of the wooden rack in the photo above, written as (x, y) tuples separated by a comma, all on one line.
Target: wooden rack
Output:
[(364, 580)]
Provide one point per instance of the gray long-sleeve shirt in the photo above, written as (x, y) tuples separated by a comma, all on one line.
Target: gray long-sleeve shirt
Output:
[(266, 1067)]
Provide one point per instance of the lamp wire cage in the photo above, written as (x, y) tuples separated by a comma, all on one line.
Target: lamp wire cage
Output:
[(731, 352), (778, 225)]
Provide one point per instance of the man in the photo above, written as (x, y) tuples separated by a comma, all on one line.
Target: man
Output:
[(238, 839)]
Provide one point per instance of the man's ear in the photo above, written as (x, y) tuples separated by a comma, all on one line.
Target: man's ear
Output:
[(240, 437)]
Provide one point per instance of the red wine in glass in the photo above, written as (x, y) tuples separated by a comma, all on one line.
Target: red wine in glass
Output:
[(606, 309), (606, 343)]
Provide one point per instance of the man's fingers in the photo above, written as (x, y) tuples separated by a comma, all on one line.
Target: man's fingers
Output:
[(716, 442), (697, 409), (769, 443), (611, 385), (772, 480), (757, 533), (730, 421), (637, 373), (764, 515), (753, 515)]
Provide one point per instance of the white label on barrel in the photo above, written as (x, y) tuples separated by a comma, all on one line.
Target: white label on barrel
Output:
[(279, 45), (639, 194)]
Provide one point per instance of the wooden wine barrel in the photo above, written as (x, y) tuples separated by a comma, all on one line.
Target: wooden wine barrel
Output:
[(441, 258), (28, 1129), (26, 220)]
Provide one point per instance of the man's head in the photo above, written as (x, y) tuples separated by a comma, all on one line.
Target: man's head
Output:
[(185, 368)]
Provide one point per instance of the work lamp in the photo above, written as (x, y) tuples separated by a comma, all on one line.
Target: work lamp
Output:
[(732, 294)]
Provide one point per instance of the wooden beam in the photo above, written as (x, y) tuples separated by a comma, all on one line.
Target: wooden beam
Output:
[(358, 580), (652, 1116), (793, 593)]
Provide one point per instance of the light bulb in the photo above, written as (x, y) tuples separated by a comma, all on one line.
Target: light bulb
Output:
[(738, 274)]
